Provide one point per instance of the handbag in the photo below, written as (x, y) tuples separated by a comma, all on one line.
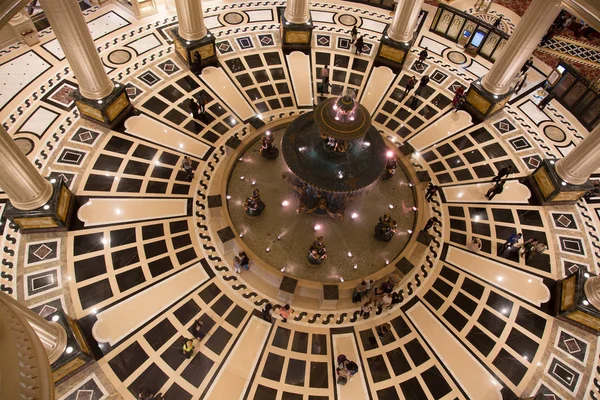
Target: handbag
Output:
[(342, 380)]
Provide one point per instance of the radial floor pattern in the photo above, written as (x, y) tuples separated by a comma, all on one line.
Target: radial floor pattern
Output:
[(150, 252)]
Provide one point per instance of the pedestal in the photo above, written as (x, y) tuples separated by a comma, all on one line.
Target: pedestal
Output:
[(481, 104), (52, 217), (330, 297), (77, 353), (548, 187), (187, 49), (570, 303), (295, 36), (392, 53), (109, 111), (287, 289)]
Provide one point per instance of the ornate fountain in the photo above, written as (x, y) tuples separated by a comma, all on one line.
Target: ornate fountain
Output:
[(333, 154)]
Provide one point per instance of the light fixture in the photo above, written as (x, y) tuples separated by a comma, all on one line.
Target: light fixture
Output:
[(355, 266), (391, 206), (586, 303), (341, 279), (349, 254), (563, 183), (285, 203), (55, 318), (317, 227), (46, 207), (99, 101), (354, 215), (241, 177), (241, 235), (586, 275), (414, 208), (118, 211), (254, 182), (409, 231), (69, 350), (268, 249), (52, 180), (282, 269), (228, 197), (389, 154)]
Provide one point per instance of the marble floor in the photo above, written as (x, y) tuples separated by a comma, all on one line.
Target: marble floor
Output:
[(149, 251)]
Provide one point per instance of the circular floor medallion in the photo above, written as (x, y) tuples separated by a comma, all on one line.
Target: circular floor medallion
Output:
[(457, 58), (554, 133), (25, 145), (233, 18), (348, 20), (119, 57)]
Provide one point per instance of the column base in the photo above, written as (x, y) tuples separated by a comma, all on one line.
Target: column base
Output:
[(109, 111), (52, 217), (187, 49), (76, 353), (482, 104), (391, 53), (569, 304), (548, 188), (295, 36)]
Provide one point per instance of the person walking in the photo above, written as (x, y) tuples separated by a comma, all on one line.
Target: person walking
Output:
[(325, 80), (359, 43), (503, 173), (512, 240), (354, 33), (528, 247), (267, 312), (188, 167), (197, 330), (202, 103), (285, 312), (422, 84), (410, 85), (423, 56), (194, 108), (431, 191), (520, 82), (366, 308), (431, 222), (526, 66), (539, 248), (497, 22), (496, 189)]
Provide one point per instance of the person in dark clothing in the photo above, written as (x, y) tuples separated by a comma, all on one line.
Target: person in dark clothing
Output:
[(383, 329), (512, 240), (324, 80), (503, 173), (145, 394), (197, 330), (497, 22), (194, 108), (422, 84), (546, 100), (520, 83), (201, 102), (496, 189), (526, 66), (431, 222), (360, 42), (267, 312), (410, 85), (354, 33), (431, 190), (423, 56)]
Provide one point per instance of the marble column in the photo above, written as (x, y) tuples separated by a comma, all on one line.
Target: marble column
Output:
[(405, 19), (191, 19), (296, 11), (592, 291), (24, 29), (75, 39), (531, 29), (25, 187), (577, 166)]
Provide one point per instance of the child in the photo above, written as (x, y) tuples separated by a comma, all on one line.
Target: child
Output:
[(285, 312)]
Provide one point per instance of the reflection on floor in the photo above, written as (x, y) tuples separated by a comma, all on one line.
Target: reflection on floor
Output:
[(141, 264)]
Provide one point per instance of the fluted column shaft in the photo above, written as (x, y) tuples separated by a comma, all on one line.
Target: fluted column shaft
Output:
[(577, 166), (531, 29), (74, 37), (191, 19), (25, 187), (592, 291), (405, 19), (297, 11)]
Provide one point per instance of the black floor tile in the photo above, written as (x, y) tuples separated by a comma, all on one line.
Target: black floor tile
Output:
[(522, 344), (118, 145), (187, 311), (127, 361), (465, 303), (173, 355), (458, 224), (442, 287), (273, 367), (291, 396), (296, 372), (281, 338), (122, 236), (160, 334), (130, 279), (480, 228), (128, 185), (156, 187), (161, 172), (510, 367), (388, 394), (83, 244), (412, 389), (463, 175), (530, 217), (455, 318), (176, 392), (152, 231), (155, 105), (265, 393), (197, 369), (319, 344), (169, 158), (181, 241), (218, 340), (480, 340), (474, 156), (145, 152), (107, 163), (89, 268), (171, 93), (484, 171), (456, 211), (449, 274), (398, 361), (481, 135), (531, 321), (458, 238), (153, 378), (432, 298), (436, 383), (155, 248), (188, 83), (499, 303), (319, 378), (503, 215), (492, 323), (400, 326), (222, 305), (300, 342), (473, 288), (378, 369), (236, 316), (209, 293), (94, 293), (416, 352), (99, 183), (367, 337)]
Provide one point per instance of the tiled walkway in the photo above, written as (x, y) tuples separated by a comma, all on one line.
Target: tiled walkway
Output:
[(142, 263)]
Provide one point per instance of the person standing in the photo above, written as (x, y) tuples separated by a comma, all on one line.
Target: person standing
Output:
[(237, 265), (497, 22), (365, 309), (202, 103), (244, 260), (422, 84), (188, 348), (193, 105), (431, 222), (267, 312), (503, 173), (325, 80), (188, 167), (520, 82), (285, 312), (526, 66), (410, 85), (197, 330), (431, 190), (512, 240), (528, 247), (423, 56), (360, 42), (354, 33), (496, 189)]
